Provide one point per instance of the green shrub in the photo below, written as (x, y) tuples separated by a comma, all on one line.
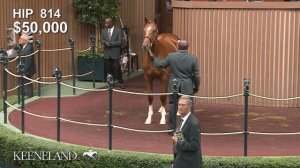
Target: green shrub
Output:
[(89, 54), (12, 141), (252, 162)]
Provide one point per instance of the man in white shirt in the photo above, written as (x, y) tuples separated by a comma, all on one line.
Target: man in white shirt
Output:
[(187, 148), (111, 40)]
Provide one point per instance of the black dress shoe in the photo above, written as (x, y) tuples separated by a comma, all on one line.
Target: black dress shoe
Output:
[(122, 86)]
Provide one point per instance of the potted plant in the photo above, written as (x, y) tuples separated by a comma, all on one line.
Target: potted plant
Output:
[(94, 12), (85, 66)]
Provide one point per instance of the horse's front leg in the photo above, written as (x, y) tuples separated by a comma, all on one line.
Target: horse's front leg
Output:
[(149, 87), (163, 98)]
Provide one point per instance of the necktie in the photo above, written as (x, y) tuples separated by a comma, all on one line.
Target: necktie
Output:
[(179, 126), (109, 34)]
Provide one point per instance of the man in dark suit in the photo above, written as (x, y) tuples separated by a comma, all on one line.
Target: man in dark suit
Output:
[(187, 148), (111, 40), (184, 68), (29, 65)]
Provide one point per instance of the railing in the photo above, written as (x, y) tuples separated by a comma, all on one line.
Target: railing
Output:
[(71, 43), (57, 74)]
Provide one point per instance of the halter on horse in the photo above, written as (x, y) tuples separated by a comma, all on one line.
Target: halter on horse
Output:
[(160, 45), (150, 33)]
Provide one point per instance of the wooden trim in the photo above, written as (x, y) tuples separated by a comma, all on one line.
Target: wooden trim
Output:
[(232, 44), (235, 5)]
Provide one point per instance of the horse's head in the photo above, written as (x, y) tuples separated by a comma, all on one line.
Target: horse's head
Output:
[(150, 34)]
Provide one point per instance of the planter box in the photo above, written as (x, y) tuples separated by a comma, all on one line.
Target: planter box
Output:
[(85, 65)]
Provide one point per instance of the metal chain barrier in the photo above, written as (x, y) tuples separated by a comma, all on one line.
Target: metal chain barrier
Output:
[(88, 49), (85, 74), (221, 134), (218, 97), (276, 99), (29, 55), (137, 130), (48, 117), (149, 131), (12, 74), (110, 89), (13, 60), (82, 123), (10, 90), (79, 88), (47, 77), (89, 124), (24, 56), (36, 115), (52, 50), (275, 134), (142, 94), (36, 81), (66, 76)]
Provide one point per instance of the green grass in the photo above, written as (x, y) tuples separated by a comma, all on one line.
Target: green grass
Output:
[(11, 99)]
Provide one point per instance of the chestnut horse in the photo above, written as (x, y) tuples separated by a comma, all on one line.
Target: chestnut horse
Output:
[(160, 45)]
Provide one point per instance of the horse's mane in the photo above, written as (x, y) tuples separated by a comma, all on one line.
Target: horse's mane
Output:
[(168, 39)]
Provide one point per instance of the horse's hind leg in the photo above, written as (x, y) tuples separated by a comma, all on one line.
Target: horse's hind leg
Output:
[(150, 100), (163, 99)]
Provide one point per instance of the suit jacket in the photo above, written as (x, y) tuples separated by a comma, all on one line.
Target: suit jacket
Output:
[(184, 68), (29, 65), (188, 151), (113, 51)]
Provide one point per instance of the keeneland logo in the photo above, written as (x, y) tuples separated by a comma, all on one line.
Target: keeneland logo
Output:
[(44, 155), (90, 153)]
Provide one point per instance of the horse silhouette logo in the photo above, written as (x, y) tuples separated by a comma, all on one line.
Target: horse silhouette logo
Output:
[(90, 153)]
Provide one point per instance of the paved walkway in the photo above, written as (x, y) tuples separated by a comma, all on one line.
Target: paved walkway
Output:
[(51, 90)]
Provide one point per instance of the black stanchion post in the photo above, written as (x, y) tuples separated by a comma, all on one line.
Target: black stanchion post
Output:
[(126, 31), (92, 39), (18, 48), (110, 90), (71, 43), (58, 75), (38, 46), (4, 60), (21, 71), (246, 95), (175, 100)]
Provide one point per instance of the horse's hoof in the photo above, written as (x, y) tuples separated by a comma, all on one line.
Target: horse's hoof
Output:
[(148, 121), (162, 122)]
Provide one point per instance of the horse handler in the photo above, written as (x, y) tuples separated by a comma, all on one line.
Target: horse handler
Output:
[(184, 68)]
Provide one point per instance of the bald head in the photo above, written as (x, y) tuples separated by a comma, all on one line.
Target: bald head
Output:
[(183, 45), (23, 39)]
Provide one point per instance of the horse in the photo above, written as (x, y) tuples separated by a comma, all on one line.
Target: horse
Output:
[(159, 45)]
